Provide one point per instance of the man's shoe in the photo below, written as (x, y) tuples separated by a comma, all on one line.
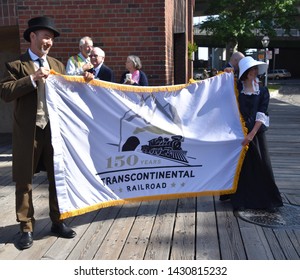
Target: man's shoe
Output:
[(63, 230), (224, 197), (26, 240)]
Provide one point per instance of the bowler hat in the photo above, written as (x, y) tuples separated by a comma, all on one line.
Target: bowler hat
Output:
[(38, 23), (248, 62)]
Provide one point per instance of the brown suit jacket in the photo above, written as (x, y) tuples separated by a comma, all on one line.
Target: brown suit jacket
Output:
[(17, 87)]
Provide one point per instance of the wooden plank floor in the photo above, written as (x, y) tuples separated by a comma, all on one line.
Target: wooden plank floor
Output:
[(201, 228)]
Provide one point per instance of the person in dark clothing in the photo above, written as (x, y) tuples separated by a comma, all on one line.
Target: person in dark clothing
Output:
[(256, 187), (233, 62), (134, 75), (24, 84), (99, 71)]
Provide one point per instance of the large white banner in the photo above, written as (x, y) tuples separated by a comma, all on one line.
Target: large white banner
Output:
[(117, 144)]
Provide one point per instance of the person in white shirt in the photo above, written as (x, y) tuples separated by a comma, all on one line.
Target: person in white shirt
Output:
[(80, 62)]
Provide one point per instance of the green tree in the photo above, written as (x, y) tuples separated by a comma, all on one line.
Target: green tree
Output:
[(233, 21)]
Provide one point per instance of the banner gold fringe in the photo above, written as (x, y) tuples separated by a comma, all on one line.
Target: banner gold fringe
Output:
[(107, 204), (123, 87)]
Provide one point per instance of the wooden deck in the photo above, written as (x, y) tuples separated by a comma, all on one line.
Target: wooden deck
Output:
[(200, 228)]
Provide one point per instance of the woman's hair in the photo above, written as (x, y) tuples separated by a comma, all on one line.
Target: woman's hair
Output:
[(136, 61), (245, 74)]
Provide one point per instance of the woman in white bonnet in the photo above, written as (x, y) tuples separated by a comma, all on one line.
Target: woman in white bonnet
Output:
[(256, 188)]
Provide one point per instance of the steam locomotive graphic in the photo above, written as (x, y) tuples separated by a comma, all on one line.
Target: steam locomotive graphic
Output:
[(166, 147)]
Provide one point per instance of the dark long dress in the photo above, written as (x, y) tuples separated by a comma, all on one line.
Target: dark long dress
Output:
[(256, 187)]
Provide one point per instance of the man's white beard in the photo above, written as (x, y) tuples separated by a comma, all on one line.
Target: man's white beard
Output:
[(43, 51)]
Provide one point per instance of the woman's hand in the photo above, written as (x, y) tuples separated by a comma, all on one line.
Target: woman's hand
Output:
[(247, 140), (129, 82), (249, 137)]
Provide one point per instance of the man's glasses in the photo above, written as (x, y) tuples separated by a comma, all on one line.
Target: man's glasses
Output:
[(93, 55)]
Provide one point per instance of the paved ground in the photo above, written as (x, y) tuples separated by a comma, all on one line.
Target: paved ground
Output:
[(289, 91)]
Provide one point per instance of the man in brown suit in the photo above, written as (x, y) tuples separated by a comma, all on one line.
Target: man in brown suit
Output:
[(32, 150)]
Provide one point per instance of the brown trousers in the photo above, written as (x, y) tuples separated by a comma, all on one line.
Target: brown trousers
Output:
[(43, 152)]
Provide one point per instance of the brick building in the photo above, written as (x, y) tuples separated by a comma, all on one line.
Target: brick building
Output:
[(158, 31)]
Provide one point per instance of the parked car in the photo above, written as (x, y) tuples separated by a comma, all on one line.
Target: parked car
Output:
[(279, 74)]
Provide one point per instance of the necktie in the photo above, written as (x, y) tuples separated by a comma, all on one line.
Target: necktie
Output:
[(41, 62)]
